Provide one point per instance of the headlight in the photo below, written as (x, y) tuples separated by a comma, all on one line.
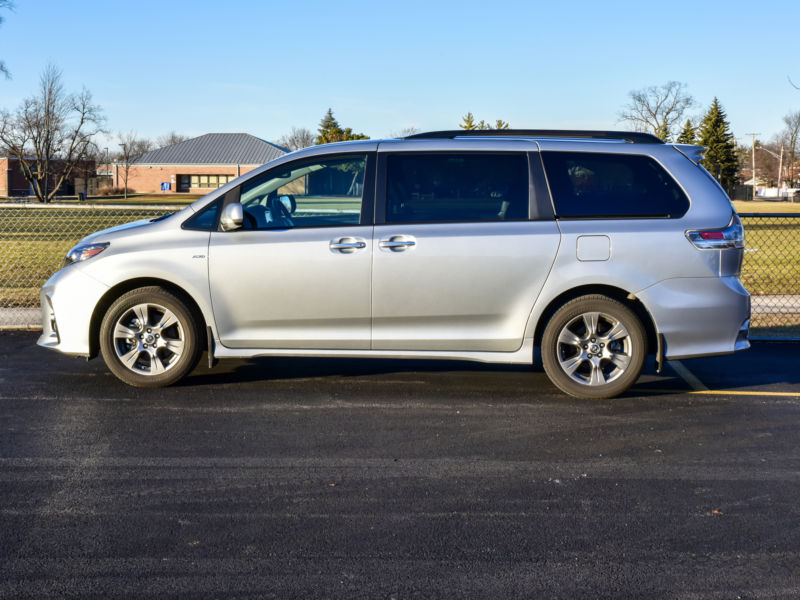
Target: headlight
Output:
[(84, 251)]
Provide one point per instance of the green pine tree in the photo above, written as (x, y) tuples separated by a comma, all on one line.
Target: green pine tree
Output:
[(663, 132), (469, 123), (330, 131), (348, 134), (687, 135), (716, 136)]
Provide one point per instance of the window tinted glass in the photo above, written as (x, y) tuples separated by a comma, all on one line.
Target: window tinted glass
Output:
[(456, 187), (611, 185), (317, 193), (206, 219)]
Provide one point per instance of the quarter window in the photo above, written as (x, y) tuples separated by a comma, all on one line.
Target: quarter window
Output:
[(206, 219), (316, 193), (456, 187), (591, 185)]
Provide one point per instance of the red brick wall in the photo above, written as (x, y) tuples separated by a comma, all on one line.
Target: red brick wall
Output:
[(148, 179), (12, 182)]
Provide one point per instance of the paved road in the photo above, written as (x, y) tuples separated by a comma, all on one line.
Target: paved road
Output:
[(378, 479)]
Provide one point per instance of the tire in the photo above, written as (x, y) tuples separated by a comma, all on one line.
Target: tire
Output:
[(150, 338), (594, 347)]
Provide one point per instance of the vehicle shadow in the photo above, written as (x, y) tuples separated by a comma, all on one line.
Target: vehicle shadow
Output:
[(299, 368)]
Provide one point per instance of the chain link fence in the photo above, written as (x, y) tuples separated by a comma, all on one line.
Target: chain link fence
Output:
[(771, 273), (34, 239)]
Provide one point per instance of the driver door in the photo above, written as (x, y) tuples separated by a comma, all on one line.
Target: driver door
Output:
[(297, 275)]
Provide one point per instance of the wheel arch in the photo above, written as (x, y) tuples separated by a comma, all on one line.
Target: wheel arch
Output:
[(131, 284), (619, 294)]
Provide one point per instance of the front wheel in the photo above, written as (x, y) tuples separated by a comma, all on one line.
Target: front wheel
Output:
[(150, 338), (594, 347)]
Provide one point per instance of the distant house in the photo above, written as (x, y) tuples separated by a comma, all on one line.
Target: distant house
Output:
[(198, 165)]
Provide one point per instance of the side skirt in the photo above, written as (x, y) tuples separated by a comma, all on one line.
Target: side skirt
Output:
[(523, 356)]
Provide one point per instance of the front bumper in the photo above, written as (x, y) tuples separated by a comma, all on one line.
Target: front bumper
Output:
[(68, 300), (700, 316)]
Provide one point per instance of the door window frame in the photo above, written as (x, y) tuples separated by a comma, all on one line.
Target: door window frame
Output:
[(539, 204), (367, 196)]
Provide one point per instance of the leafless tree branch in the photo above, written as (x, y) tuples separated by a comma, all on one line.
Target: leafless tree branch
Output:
[(169, 139), (658, 109), (8, 5), (50, 133), (131, 149), (297, 139)]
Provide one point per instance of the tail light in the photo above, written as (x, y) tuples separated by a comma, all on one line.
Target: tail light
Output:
[(731, 236)]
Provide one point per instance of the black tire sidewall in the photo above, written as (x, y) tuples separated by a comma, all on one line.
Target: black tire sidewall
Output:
[(153, 295), (574, 308)]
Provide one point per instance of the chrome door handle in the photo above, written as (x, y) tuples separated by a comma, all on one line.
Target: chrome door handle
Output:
[(347, 244), (397, 243)]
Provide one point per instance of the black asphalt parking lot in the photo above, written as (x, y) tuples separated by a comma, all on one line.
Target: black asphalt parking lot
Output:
[(300, 478)]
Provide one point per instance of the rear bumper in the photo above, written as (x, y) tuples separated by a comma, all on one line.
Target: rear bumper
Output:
[(68, 300), (700, 316)]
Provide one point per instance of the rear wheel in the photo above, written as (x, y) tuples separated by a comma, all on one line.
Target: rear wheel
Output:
[(150, 338), (594, 347)]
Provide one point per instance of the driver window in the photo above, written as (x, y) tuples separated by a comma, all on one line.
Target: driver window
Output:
[(317, 193)]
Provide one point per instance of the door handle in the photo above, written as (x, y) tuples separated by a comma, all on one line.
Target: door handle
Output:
[(347, 245), (397, 243)]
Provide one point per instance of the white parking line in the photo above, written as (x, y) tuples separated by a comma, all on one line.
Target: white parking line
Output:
[(748, 393), (691, 380)]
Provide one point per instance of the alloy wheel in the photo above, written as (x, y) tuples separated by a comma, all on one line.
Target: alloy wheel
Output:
[(594, 348), (148, 339)]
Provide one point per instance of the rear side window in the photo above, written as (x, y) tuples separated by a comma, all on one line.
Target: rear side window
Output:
[(593, 185), (456, 187)]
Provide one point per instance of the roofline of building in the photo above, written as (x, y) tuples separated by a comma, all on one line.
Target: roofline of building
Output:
[(111, 165)]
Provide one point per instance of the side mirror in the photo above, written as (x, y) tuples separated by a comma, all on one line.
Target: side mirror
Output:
[(232, 217)]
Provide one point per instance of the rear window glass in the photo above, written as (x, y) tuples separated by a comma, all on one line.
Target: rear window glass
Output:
[(593, 185), (456, 187)]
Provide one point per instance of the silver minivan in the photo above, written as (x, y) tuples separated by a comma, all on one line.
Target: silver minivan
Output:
[(599, 249)]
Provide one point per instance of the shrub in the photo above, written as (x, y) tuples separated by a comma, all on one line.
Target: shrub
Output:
[(112, 191)]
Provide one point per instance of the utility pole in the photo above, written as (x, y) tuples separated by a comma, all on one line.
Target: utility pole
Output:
[(753, 156), (780, 163)]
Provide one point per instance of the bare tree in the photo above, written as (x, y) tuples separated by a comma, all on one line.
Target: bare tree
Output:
[(50, 133), (131, 149), (405, 132), (8, 5), (768, 168), (658, 109), (791, 135), (297, 139), (87, 168), (170, 139)]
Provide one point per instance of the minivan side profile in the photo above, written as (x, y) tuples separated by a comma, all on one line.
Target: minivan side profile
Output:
[(599, 249)]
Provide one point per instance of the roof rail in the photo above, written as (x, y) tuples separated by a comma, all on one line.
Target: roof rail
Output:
[(631, 137)]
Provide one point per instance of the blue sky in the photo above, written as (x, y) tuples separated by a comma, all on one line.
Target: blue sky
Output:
[(263, 67)]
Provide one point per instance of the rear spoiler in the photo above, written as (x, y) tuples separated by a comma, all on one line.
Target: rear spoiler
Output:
[(692, 152)]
